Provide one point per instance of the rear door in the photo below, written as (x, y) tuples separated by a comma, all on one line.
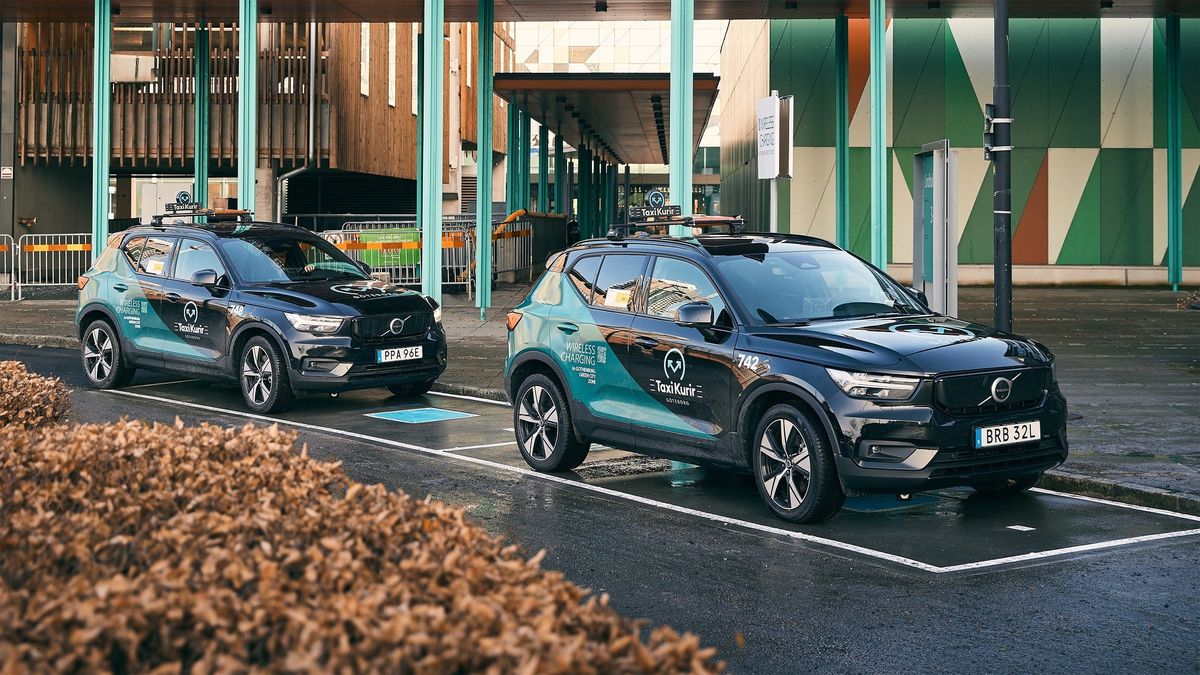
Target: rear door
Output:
[(590, 339), (146, 293), (687, 371)]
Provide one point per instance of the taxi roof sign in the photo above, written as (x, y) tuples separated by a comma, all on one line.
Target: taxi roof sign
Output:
[(648, 212)]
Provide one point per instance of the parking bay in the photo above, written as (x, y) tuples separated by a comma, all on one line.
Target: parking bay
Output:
[(949, 531)]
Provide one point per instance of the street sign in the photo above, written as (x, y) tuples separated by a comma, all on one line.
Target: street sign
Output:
[(6, 173), (767, 123)]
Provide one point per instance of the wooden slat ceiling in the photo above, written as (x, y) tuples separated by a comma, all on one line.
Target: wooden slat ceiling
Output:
[(625, 117), (138, 11)]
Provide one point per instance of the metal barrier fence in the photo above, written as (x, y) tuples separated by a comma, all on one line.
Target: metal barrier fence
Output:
[(395, 249), (51, 260), (8, 277), (512, 246)]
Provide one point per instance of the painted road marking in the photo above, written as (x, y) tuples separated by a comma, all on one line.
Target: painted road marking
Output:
[(421, 415), (470, 398), (1022, 528), (718, 518)]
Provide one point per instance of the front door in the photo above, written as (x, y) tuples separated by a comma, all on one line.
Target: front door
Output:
[(686, 370), (196, 317)]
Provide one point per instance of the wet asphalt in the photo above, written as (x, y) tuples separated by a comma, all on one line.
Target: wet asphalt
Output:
[(796, 605)]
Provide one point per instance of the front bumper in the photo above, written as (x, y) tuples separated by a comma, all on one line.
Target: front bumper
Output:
[(344, 363), (944, 454)]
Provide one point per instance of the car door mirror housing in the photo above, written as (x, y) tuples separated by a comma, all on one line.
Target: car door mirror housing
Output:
[(695, 315), (205, 279), (920, 296)]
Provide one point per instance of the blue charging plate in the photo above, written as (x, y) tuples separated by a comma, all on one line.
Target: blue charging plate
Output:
[(421, 415)]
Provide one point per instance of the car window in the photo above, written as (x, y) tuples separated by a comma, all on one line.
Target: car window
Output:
[(155, 256), (677, 282), (133, 250), (618, 282), (194, 256), (274, 258), (583, 276)]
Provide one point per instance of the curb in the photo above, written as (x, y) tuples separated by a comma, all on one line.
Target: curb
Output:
[(470, 390), (59, 341), (1126, 493)]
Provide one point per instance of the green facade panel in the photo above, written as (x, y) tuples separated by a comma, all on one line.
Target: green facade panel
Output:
[(1126, 206), (802, 64), (1073, 83), (918, 83), (1189, 77)]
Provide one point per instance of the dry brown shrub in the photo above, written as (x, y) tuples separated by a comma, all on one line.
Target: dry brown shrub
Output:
[(132, 547), (28, 400)]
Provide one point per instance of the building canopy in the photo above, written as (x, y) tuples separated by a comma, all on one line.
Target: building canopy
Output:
[(140, 11), (623, 117)]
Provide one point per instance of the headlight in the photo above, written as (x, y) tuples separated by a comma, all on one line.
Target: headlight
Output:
[(309, 323), (437, 310), (880, 387)]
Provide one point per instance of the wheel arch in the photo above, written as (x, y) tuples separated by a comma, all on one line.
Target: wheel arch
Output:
[(530, 362), (765, 396), (243, 334), (93, 312)]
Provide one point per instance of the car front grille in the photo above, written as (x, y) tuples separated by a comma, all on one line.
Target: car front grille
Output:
[(967, 461), (972, 394), (378, 329)]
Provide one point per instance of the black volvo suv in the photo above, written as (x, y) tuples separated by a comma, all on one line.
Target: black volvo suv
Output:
[(274, 307), (781, 355)]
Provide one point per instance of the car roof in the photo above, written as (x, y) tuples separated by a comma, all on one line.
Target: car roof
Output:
[(714, 245), (225, 228)]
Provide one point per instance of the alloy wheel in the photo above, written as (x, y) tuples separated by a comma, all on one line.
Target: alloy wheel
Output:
[(538, 419), (786, 464), (98, 354), (258, 375)]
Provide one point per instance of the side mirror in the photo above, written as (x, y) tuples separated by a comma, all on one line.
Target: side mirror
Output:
[(364, 267), (205, 278), (920, 295), (695, 315)]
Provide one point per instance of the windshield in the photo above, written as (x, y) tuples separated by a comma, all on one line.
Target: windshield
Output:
[(802, 285), (259, 259)]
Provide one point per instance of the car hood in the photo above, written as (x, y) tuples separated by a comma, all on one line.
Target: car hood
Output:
[(927, 344), (339, 297)]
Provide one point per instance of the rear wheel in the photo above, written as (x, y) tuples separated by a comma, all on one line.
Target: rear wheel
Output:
[(264, 377), (793, 467), (1009, 486), (410, 389), (542, 421), (102, 357)]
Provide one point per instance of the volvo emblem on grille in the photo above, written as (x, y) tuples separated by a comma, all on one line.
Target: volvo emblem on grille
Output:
[(1001, 389), (396, 327)]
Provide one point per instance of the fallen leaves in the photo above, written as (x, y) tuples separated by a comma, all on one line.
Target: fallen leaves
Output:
[(133, 547), (28, 400)]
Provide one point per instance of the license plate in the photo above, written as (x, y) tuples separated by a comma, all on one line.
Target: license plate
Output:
[(399, 354), (1007, 434)]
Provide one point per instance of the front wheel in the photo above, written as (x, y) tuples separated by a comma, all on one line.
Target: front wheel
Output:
[(542, 421), (793, 467), (102, 357), (264, 377)]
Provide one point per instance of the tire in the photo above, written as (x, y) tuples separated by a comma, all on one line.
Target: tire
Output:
[(793, 467), (263, 377), (410, 389), (542, 423), (103, 358), (1009, 486)]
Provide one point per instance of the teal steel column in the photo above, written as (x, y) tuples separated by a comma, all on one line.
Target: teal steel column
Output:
[(430, 170), (201, 113), (526, 168), (485, 81), (879, 125), (420, 112), (101, 124), (544, 169), (682, 34), (560, 175), (842, 123), (247, 128), (1174, 157), (585, 187), (510, 161)]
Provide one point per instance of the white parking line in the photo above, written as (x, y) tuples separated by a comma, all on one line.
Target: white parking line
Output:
[(714, 517), (158, 384), (470, 398), (479, 447)]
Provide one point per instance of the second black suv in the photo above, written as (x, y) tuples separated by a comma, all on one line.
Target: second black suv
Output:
[(780, 355), (274, 307)]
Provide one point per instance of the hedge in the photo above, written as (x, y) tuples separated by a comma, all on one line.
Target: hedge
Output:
[(133, 546), (28, 400)]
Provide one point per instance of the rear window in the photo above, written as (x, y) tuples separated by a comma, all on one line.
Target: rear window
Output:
[(583, 276), (619, 281)]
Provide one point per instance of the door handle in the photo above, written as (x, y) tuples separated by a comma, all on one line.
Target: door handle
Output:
[(568, 328), (120, 288), (173, 297), (646, 343)]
